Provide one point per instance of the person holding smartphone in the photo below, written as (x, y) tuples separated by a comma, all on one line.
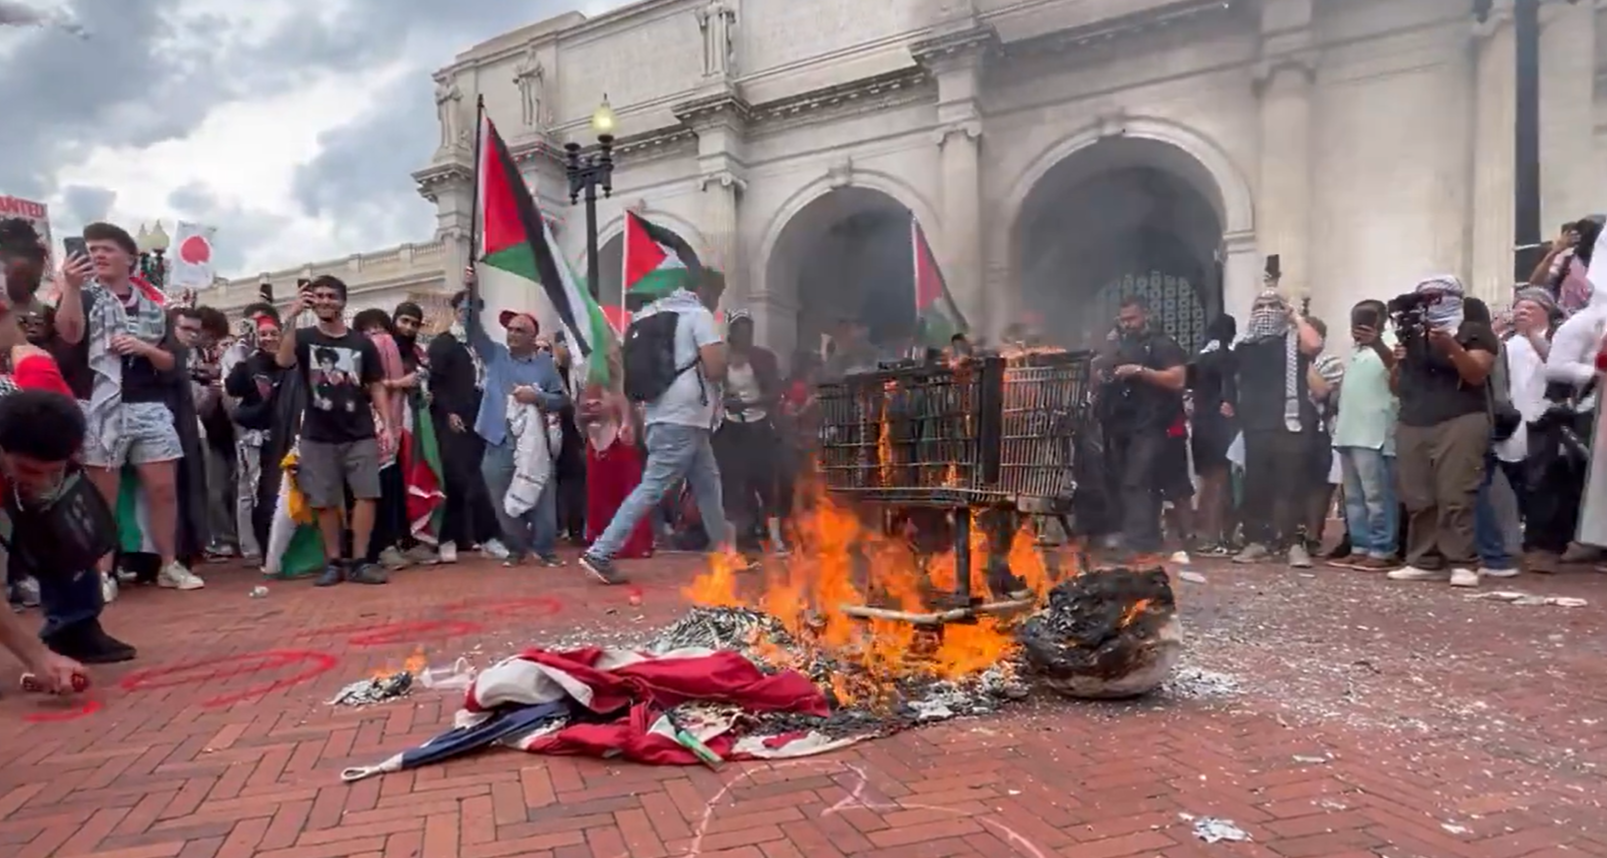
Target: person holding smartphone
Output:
[(1364, 440)]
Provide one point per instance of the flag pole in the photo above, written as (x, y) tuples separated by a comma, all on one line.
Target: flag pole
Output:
[(474, 207)]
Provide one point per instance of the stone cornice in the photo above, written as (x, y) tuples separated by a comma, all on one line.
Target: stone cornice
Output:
[(965, 44), (723, 178), (1121, 26), (970, 128), (869, 93), (726, 107), (1267, 69), (442, 176)]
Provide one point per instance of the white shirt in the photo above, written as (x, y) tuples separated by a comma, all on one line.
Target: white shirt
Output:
[(1573, 349), (1526, 383)]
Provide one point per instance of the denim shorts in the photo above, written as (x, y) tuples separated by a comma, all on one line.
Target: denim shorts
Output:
[(146, 436)]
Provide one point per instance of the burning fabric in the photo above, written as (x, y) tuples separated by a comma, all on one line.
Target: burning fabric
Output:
[(380, 689), (1109, 633)]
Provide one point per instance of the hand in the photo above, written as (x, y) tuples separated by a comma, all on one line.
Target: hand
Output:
[(57, 672), (124, 344), (1226, 409), (1400, 353), (300, 305), (387, 441), (1127, 370), (1443, 340), (455, 423), (524, 394), (76, 271), (1567, 239), (1364, 335), (468, 277)]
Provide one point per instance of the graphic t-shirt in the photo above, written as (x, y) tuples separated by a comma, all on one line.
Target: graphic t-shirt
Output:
[(338, 372)]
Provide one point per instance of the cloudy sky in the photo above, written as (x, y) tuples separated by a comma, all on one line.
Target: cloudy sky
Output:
[(290, 125)]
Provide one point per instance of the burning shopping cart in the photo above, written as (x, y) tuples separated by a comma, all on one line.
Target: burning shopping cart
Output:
[(984, 442)]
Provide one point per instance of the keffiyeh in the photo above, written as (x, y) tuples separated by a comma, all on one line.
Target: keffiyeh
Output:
[(1446, 312), (1269, 319)]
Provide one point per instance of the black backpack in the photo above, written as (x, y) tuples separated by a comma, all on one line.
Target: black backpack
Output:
[(649, 353)]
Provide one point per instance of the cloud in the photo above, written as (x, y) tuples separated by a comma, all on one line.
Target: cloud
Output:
[(291, 125)]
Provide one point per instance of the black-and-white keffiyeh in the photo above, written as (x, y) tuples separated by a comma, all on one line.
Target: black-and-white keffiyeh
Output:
[(1269, 319), (461, 332)]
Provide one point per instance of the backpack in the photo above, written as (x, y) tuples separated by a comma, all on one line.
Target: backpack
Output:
[(649, 356)]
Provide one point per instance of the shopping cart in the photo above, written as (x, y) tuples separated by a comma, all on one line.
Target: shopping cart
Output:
[(988, 439)]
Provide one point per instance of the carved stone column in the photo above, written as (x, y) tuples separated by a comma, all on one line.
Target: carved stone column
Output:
[(720, 119), (450, 186), (1567, 112), (1495, 105), (1284, 79), (955, 58)]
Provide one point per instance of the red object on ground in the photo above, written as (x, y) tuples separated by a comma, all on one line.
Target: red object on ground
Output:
[(611, 475), (641, 690), (31, 684)]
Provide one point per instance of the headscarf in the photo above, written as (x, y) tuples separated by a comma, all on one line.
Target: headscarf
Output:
[(1269, 317), (1538, 295), (1219, 334), (1446, 313)]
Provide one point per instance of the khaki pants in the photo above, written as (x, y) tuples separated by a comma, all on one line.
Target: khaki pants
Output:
[(1440, 468)]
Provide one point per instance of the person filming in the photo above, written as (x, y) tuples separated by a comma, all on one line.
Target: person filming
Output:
[(1443, 362)]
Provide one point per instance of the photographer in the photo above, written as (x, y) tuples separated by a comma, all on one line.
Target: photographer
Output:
[(1442, 365)]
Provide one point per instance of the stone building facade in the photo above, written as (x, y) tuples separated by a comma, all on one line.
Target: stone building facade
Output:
[(382, 279), (1057, 153)]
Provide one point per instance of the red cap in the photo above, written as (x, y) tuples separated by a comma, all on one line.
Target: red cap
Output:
[(507, 316)]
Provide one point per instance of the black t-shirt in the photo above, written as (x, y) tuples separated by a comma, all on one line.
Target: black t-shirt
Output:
[(338, 372), (1431, 391), (1135, 404), (1262, 386)]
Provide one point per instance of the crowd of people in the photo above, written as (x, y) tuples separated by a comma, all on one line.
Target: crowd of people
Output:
[(1457, 437)]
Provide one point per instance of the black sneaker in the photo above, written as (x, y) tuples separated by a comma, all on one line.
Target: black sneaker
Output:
[(333, 575), (602, 570), (368, 573), (551, 561), (88, 643)]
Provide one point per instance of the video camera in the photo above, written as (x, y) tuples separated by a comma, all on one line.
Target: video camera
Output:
[(1408, 312)]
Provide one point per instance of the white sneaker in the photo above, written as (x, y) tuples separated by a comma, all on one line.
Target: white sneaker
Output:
[(1464, 578), (1412, 573), (1180, 557), (175, 577), (449, 552), (495, 549), (1509, 572), (108, 588)]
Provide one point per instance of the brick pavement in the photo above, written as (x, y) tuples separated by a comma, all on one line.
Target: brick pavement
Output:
[(1350, 717)]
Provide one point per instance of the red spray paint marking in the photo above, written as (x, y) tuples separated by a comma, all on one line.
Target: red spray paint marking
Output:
[(82, 710), (409, 632), (528, 608), (212, 670)]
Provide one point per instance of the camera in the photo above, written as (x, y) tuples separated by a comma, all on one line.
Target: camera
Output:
[(1408, 313)]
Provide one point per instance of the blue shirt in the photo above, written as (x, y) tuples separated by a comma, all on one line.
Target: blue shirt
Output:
[(504, 372)]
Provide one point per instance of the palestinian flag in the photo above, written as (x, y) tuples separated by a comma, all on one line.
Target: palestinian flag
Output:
[(657, 261), (514, 238), (420, 461), (937, 320)]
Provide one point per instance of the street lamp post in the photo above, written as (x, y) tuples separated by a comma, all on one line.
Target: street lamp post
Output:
[(153, 245), (1526, 140), (586, 175)]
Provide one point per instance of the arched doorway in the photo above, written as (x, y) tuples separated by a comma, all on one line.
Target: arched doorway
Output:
[(1123, 216), (847, 255)]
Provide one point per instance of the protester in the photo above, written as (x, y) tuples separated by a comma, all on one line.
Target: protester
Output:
[(529, 375), (418, 454), (570, 469), (1142, 399), (345, 429), (1364, 441), (1325, 380), (119, 326), (674, 366), (457, 377), (392, 545), (1273, 404), (1439, 374), (251, 387), (1211, 377), (613, 468), (746, 446)]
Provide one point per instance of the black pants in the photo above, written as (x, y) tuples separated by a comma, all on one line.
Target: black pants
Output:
[(390, 514), (1135, 457), (467, 518), (571, 475), (749, 459), (1277, 466), (1555, 488)]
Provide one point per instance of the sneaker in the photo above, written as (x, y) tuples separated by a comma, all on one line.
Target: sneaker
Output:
[(1577, 553), (368, 573), (1542, 562), (331, 576), (1412, 573), (1299, 557), (1342, 551), (1372, 564), (1462, 577), (421, 555), (494, 549), (1508, 571), (551, 561), (1181, 557), (1212, 549), (393, 560), (1255, 552), (88, 643), (449, 552), (602, 570), (175, 577)]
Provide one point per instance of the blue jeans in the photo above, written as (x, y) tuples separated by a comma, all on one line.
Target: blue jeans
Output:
[(1488, 533), (68, 600), (1371, 511), (537, 530), (674, 453)]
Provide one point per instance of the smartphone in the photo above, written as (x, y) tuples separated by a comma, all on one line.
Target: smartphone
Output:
[(76, 246), (1274, 270), (265, 291)]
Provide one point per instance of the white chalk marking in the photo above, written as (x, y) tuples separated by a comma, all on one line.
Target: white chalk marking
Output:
[(854, 800)]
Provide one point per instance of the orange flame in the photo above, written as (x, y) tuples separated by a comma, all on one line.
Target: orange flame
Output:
[(414, 664), (843, 560)]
